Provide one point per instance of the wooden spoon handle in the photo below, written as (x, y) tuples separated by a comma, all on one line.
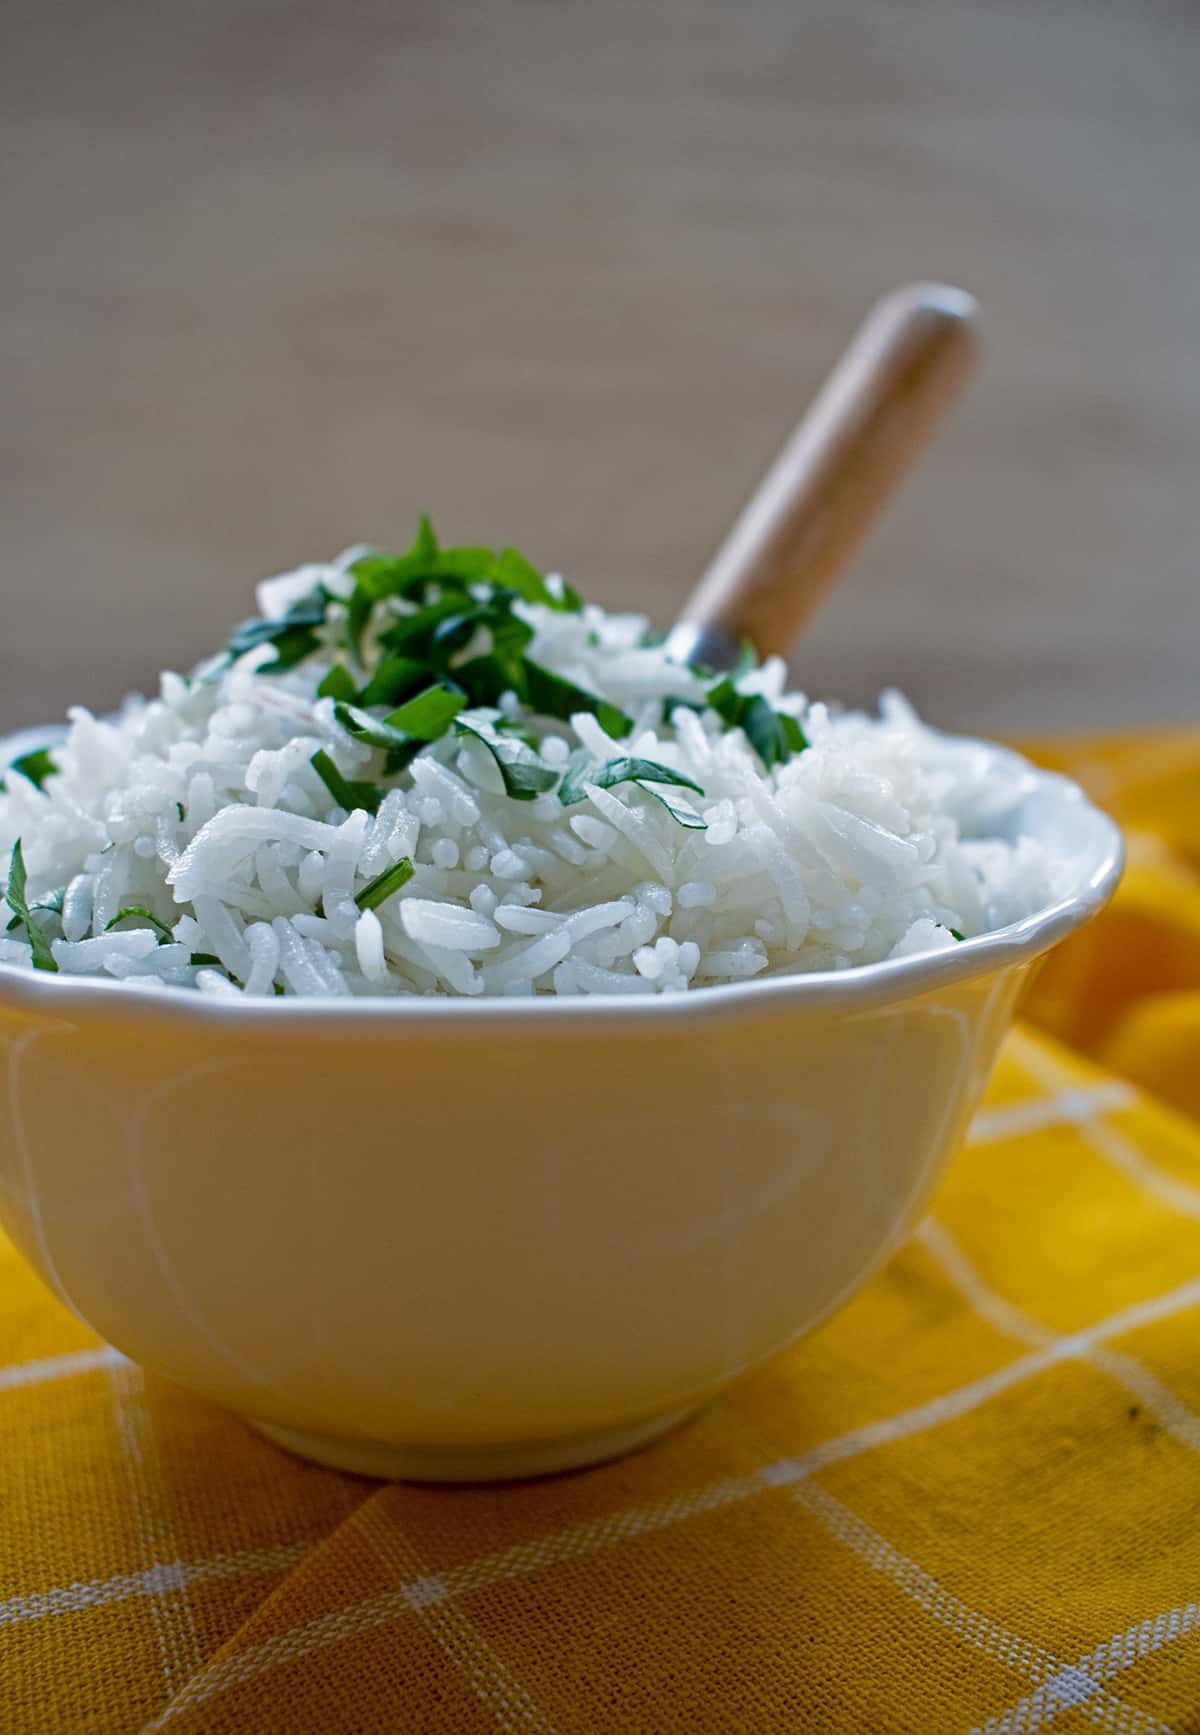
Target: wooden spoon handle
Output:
[(867, 424)]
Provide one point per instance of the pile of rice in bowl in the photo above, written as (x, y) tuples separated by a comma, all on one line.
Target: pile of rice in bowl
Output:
[(441, 773)]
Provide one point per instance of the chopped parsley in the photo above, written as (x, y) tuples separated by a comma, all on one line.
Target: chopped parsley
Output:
[(774, 735), (515, 572), (43, 957), (550, 695), (685, 816), (433, 642), (293, 635), (396, 678), (36, 766), (339, 683), (384, 884), (401, 748), (345, 791), (583, 768), (429, 714), (146, 917), (525, 776), (52, 902)]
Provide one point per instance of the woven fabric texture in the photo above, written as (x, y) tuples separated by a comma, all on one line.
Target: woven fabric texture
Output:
[(969, 1502)]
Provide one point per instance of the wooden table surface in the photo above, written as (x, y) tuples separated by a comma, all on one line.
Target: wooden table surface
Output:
[(278, 276)]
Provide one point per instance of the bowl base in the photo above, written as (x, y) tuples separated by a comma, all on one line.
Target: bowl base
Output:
[(468, 1463)]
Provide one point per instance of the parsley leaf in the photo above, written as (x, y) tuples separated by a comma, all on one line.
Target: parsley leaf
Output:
[(747, 659), (345, 791), (524, 775), (52, 902), (552, 695), (412, 634), (381, 574), (685, 816), (516, 573), (774, 735), (165, 936), (292, 635), (582, 768), (645, 773), (395, 678), (401, 748), (509, 633), (429, 714), (358, 614), (43, 957), (36, 766), (384, 884), (339, 683)]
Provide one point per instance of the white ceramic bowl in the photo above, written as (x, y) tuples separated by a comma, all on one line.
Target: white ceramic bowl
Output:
[(451, 1239)]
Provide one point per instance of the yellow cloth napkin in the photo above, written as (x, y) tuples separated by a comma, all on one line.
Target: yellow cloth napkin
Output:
[(970, 1502)]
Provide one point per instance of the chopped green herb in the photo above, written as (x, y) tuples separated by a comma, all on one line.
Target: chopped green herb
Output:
[(957, 935), (36, 766), (380, 574), (514, 727), (582, 768), (552, 696), (516, 573), (509, 633), (679, 813), (747, 659), (384, 884), (165, 936), (524, 775), (672, 703), (773, 735), (412, 634), (463, 565), (485, 680), (429, 714), (394, 679), (345, 791), (358, 615), (292, 635), (766, 733), (401, 748), (52, 903), (181, 811), (425, 546), (339, 683), (290, 648), (793, 734), (645, 773), (726, 701), (43, 957), (373, 730)]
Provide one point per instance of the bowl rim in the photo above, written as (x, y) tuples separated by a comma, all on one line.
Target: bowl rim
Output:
[(863, 987)]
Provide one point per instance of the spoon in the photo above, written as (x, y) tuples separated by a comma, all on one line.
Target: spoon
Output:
[(903, 369)]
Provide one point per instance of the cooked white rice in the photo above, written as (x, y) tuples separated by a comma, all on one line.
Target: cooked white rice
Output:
[(202, 807)]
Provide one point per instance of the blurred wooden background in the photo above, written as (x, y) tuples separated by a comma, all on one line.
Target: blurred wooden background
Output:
[(277, 276)]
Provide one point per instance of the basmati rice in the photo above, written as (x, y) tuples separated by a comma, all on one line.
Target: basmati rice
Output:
[(203, 808)]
